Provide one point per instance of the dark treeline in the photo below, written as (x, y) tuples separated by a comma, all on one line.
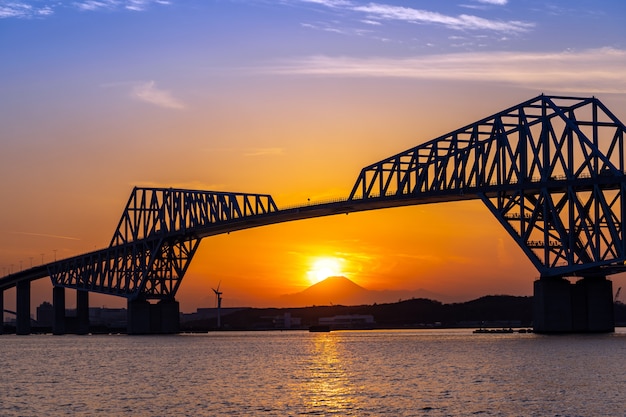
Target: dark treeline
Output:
[(489, 310)]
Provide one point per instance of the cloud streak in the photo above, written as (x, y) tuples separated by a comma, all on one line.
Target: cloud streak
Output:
[(593, 70), (45, 235), (134, 5), (19, 9), (461, 22), (29, 9), (264, 151), (376, 12), (149, 93)]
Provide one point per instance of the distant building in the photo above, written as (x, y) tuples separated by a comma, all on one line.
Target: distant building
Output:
[(108, 317), (45, 314), (286, 321)]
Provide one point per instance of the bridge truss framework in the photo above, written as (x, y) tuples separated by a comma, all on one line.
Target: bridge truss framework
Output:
[(550, 169), (155, 241)]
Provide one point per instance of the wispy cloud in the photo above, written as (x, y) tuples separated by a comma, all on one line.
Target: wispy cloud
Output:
[(149, 93), (134, 5), (461, 22), (92, 5), (264, 151), (31, 9), (496, 2), (593, 70), (330, 3), (140, 5), (45, 235), (19, 9), (376, 12)]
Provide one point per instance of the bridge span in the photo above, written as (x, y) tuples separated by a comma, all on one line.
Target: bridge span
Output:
[(550, 169)]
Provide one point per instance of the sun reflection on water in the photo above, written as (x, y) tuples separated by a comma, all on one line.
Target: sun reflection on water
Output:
[(325, 385)]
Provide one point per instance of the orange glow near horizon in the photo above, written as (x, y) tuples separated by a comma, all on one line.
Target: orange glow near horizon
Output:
[(324, 267)]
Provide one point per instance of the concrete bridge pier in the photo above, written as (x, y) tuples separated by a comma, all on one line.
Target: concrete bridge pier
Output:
[(160, 318), (593, 298), (23, 308), (82, 312), (60, 321), (584, 307), (169, 313), (58, 305), (138, 317)]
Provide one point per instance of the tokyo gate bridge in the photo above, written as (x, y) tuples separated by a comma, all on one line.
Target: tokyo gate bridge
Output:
[(550, 169)]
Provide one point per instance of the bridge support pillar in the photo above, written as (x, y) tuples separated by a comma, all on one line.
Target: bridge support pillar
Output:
[(58, 305), (82, 312), (552, 306), (562, 307), (169, 314), (138, 317), (596, 304), (23, 308), (160, 318)]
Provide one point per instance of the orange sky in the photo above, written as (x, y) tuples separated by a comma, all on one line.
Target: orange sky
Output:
[(92, 106)]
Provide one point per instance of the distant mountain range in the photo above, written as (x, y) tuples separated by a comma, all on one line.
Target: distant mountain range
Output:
[(341, 291)]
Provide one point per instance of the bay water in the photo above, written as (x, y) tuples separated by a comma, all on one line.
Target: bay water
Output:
[(297, 373)]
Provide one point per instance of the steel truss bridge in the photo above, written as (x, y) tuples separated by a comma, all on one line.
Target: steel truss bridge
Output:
[(550, 169)]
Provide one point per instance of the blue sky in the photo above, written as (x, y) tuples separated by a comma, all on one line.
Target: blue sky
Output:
[(518, 42), (290, 98)]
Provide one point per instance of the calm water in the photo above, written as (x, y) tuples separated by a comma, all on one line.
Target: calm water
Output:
[(368, 373)]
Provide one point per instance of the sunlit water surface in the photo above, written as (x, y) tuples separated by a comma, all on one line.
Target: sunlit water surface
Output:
[(350, 373)]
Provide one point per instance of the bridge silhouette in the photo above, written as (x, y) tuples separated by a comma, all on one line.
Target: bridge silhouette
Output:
[(550, 169)]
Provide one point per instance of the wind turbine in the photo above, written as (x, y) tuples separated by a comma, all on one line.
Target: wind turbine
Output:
[(218, 294)]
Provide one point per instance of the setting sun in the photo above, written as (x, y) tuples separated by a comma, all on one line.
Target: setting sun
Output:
[(322, 268)]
